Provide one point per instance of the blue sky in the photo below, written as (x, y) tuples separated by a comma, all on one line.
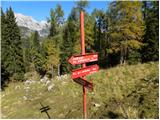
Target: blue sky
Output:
[(40, 10)]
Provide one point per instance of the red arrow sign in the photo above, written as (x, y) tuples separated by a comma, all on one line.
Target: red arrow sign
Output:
[(83, 58), (83, 82), (84, 71)]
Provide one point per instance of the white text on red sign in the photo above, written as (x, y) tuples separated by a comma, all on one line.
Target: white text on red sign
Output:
[(84, 71), (83, 59)]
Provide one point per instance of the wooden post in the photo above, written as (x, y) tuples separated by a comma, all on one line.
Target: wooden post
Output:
[(83, 65)]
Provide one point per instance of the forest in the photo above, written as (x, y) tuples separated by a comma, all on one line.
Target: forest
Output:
[(127, 33)]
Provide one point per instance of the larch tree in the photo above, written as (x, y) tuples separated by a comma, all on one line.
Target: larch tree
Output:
[(51, 55), (55, 39), (126, 30)]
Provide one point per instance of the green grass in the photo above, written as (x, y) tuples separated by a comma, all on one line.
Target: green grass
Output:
[(121, 92)]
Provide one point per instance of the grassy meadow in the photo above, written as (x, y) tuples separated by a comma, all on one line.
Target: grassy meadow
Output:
[(119, 92)]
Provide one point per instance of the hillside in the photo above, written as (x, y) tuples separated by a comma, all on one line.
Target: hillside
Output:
[(120, 92), (28, 24)]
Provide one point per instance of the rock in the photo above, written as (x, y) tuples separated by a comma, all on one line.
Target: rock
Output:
[(92, 93), (50, 87), (44, 79), (3, 95), (47, 82), (27, 82), (65, 106), (38, 82), (3, 116), (33, 81), (62, 77), (27, 88), (17, 87), (58, 77), (63, 83), (24, 97), (95, 104), (60, 115)]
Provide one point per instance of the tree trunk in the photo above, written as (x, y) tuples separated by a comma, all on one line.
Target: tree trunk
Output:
[(121, 56), (99, 36), (58, 69), (52, 71)]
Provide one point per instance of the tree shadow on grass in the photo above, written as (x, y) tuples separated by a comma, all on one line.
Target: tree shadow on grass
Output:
[(110, 115), (3, 85)]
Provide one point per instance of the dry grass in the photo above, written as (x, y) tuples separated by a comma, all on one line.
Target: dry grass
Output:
[(120, 92)]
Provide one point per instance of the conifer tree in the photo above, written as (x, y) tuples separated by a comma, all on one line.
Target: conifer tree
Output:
[(56, 20), (126, 30), (35, 53), (100, 32), (25, 46), (71, 36), (150, 51), (89, 32), (52, 56), (12, 47), (4, 73), (56, 35), (69, 46), (82, 5)]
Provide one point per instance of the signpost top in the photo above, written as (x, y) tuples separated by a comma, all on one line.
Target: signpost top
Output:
[(80, 59)]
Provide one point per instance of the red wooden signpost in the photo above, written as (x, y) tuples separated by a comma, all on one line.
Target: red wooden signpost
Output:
[(83, 82), (84, 71), (78, 75), (79, 59)]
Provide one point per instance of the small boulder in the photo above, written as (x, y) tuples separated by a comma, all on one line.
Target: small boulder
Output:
[(50, 87), (95, 104)]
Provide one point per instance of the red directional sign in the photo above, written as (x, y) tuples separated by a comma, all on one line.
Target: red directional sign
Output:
[(84, 83), (83, 58), (84, 71)]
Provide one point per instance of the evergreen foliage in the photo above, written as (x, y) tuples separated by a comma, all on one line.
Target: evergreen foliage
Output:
[(150, 51), (67, 50), (35, 53), (4, 73), (71, 41), (100, 35), (12, 55), (53, 43), (71, 36), (56, 20), (82, 5)]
